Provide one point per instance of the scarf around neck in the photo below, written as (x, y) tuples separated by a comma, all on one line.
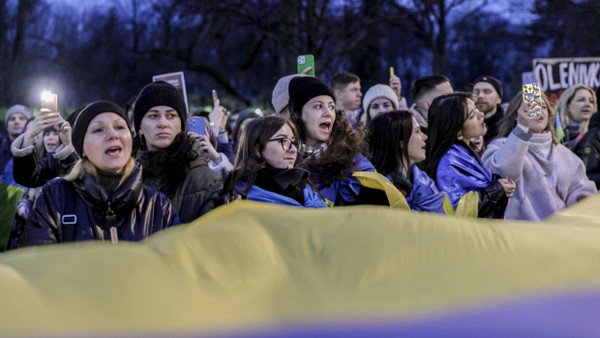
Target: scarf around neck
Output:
[(540, 147), (310, 152)]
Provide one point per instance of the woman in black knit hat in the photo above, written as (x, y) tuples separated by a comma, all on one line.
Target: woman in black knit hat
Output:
[(173, 162), (329, 148), (103, 197)]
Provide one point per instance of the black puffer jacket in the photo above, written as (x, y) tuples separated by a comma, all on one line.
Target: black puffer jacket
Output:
[(30, 172), (588, 149), (193, 190), (80, 210)]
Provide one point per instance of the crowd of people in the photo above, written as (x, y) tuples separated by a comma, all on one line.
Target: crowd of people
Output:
[(108, 174)]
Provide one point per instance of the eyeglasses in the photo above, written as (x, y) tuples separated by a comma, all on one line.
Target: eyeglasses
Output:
[(286, 143)]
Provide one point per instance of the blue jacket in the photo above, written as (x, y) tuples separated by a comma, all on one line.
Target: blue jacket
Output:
[(459, 172), (5, 152), (7, 175), (424, 195), (348, 188), (311, 198)]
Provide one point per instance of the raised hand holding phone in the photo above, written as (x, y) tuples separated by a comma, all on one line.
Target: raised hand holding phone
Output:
[(395, 83), (306, 64), (39, 123), (49, 103), (532, 97), (196, 125)]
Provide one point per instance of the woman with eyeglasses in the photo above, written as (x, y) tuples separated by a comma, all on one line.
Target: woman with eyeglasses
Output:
[(265, 169), (451, 160)]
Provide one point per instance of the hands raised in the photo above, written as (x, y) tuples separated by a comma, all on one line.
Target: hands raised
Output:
[(44, 120), (218, 116), (396, 85)]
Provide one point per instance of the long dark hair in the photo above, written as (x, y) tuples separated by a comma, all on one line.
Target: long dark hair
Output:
[(179, 155), (389, 135), (253, 140), (509, 121), (344, 143), (447, 114)]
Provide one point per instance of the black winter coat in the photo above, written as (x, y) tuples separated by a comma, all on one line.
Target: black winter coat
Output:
[(194, 193), (32, 173), (588, 149), (80, 210)]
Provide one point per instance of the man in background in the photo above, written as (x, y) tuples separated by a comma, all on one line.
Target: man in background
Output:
[(423, 91), (346, 89), (487, 95)]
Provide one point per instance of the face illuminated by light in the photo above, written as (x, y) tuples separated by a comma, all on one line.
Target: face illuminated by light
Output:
[(107, 142), (539, 125), (581, 106), (416, 144), (51, 141), (473, 125), (486, 97), (379, 106), (349, 97), (16, 124), (318, 115), (159, 126), (280, 151)]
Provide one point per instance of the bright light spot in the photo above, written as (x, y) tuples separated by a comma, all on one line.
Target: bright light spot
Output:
[(47, 96)]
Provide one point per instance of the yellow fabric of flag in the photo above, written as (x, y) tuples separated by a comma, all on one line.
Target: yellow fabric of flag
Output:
[(252, 265)]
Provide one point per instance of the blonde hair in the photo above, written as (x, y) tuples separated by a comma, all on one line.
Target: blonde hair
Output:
[(562, 108)]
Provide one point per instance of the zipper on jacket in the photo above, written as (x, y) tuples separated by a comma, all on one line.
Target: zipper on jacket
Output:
[(110, 217)]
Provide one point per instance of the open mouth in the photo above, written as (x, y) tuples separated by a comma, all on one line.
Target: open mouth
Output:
[(113, 150), (325, 126)]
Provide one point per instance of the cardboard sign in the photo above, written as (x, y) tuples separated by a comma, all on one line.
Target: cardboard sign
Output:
[(177, 80), (557, 74)]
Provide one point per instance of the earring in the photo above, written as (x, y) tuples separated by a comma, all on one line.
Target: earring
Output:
[(459, 136)]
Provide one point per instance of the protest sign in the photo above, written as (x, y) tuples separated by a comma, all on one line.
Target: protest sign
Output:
[(557, 74), (177, 80)]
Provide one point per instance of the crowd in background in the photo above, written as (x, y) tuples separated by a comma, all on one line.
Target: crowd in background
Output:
[(104, 173)]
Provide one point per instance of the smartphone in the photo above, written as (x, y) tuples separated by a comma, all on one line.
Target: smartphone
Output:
[(215, 97), (391, 71), (305, 61), (532, 93), (49, 102), (197, 125)]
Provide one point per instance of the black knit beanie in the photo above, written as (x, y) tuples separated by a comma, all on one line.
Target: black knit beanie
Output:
[(158, 93), (86, 116), (493, 81), (303, 89)]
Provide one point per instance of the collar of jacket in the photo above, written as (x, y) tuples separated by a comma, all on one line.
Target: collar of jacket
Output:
[(121, 201), (594, 121)]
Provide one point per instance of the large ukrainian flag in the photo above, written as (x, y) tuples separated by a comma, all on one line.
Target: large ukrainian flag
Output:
[(259, 269)]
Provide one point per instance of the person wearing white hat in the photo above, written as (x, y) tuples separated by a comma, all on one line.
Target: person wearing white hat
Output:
[(379, 99)]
